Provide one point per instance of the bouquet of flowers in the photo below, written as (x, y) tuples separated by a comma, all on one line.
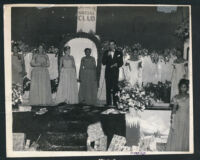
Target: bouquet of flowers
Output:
[(134, 97), (54, 85), (26, 84), (16, 95)]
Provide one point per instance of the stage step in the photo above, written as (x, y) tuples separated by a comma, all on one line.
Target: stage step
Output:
[(63, 141)]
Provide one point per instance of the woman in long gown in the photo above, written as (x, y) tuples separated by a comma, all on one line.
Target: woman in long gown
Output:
[(88, 79), (40, 91), (68, 87), (149, 69), (135, 65), (18, 67), (178, 139), (179, 72)]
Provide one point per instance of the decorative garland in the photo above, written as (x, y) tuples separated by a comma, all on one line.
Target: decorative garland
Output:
[(155, 56), (68, 37), (24, 48), (92, 37)]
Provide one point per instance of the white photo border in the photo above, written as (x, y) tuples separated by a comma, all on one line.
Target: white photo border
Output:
[(8, 88)]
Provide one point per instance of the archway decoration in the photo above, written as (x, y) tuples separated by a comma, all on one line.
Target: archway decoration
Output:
[(69, 37)]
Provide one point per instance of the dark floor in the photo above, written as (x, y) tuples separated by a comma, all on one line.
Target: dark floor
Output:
[(64, 127)]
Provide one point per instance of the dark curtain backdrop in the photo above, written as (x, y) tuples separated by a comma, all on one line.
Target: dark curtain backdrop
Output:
[(126, 25)]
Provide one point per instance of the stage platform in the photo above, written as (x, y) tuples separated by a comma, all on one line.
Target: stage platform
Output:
[(64, 127)]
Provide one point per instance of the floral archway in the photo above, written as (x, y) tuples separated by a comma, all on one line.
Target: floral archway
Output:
[(88, 40)]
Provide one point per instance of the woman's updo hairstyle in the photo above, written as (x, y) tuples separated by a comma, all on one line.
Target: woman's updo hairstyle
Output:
[(183, 81)]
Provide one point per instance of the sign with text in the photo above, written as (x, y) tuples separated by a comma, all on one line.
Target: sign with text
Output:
[(86, 19)]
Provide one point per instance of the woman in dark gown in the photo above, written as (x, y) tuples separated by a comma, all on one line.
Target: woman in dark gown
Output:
[(88, 79), (18, 67)]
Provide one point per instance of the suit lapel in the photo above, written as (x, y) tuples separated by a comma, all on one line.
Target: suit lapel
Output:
[(114, 55)]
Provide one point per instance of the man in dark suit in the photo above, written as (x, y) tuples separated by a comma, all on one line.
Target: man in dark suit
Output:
[(113, 59)]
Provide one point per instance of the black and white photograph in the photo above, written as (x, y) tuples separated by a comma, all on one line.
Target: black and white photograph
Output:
[(98, 80)]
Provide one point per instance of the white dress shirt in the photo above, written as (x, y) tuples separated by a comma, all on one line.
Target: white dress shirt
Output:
[(112, 53)]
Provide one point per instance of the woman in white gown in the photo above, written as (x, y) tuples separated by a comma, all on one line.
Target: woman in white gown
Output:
[(148, 70), (165, 67), (68, 86), (135, 64)]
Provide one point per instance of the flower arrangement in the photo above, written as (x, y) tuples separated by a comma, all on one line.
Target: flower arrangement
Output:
[(168, 53), (134, 97), (182, 30), (16, 95), (141, 51), (159, 92), (27, 84), (24, 48)]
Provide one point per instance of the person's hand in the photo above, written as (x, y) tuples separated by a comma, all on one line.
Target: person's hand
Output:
[(172, 121), (175, 107)]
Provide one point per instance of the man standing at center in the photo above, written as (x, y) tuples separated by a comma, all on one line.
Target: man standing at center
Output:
[(113, 59)]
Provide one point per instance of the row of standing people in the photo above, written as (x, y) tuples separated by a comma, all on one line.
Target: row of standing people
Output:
[(68, 86), (141, 70), (40, 92), (130, 69), (67, 91)]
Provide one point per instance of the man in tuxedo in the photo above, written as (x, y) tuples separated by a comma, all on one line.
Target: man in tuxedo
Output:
[(113, 59)]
